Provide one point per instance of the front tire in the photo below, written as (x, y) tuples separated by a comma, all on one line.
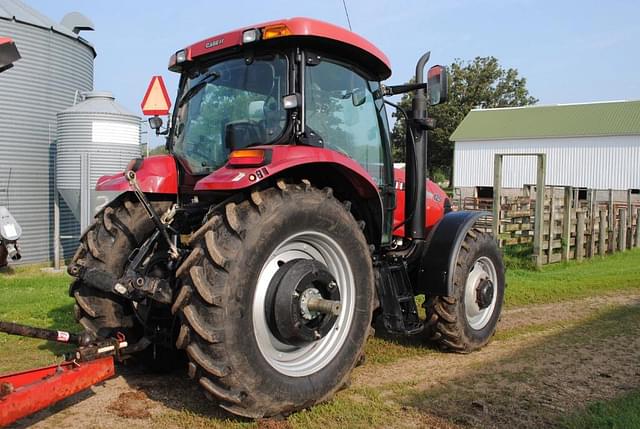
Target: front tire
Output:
[(228, 281), (467, 320)]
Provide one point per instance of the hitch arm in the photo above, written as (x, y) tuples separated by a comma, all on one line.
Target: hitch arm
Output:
[(162, 227)]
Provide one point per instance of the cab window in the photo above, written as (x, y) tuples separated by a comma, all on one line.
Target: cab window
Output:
[(340, 109)]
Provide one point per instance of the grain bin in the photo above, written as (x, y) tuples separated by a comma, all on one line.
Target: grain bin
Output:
[(56, 64), (95, 137)]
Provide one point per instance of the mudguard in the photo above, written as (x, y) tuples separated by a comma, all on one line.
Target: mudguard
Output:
[(157, 174), (438, 261), (282, 158)]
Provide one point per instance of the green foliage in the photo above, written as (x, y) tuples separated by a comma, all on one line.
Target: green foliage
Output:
[(519, 256), (622, 412), (159, 150), (482, 83)]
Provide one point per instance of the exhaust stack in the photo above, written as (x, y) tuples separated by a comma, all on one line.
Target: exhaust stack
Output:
[(416, 160)]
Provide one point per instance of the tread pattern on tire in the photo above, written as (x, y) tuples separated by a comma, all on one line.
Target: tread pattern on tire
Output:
[(205, 311), (106, 245), (443, 323)]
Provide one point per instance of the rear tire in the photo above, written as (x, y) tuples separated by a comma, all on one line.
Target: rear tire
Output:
[(466, 321), (107, 244), (226, 279)]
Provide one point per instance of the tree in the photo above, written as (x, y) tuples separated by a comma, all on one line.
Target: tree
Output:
[(481, 83)]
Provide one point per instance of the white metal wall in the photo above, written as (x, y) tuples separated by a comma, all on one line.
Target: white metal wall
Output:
[(591, 162)]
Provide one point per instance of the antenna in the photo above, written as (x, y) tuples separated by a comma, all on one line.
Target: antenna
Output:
[(346, 12)]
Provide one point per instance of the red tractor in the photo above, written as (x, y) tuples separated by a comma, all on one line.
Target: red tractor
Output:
[(276, 229)]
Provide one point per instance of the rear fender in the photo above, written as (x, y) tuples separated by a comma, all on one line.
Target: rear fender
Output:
[(435, 275), (283, 158), (323, 167), (156, 175)]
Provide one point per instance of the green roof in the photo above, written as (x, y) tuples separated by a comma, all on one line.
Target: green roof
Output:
[(612, 118)]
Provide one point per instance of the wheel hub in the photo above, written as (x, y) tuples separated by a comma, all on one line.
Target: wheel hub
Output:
[(484, 293), (298, 300)]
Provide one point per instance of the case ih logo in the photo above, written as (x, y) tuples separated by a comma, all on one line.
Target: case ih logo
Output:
[(213, 43)]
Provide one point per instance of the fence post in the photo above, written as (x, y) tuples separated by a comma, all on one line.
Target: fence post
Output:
[(602, 237), (497, 197), (539, 221), (622, 232), (638, 228), (611, 220), (580, 236), (592, 223), (551, 226), (566, 223)]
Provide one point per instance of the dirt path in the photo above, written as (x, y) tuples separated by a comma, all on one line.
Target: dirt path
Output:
[(547, 360)]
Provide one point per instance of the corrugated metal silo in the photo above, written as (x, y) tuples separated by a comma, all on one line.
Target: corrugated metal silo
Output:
[(95, 137), (56, 64)]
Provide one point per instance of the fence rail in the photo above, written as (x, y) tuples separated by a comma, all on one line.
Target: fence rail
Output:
[(570, 228)]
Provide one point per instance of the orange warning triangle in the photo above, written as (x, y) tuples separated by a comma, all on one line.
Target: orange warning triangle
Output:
[(156, 101)]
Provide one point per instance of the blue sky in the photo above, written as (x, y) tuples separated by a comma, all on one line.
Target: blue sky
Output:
[(569, 51)]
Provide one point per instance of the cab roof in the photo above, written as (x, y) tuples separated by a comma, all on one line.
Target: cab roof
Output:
[(322, 34)]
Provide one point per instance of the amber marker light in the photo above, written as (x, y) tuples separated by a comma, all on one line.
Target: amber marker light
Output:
[(249, 158), (273, 31)]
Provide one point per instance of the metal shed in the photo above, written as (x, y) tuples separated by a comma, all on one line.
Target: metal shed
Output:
[(592, 145), (56, 65)]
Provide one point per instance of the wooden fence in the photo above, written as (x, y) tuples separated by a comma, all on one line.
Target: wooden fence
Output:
[(571, 228)]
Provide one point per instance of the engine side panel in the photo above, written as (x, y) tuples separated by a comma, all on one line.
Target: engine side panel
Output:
[(435, 203), (157, 174)]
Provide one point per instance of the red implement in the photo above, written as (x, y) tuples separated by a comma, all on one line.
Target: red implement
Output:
[(27, 392)]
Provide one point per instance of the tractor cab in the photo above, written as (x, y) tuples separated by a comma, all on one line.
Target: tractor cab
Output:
[(280, 84), (298, 82)]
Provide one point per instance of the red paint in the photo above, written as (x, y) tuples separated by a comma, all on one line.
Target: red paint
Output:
[(229, 178), (165, 95), (37, 389), (435, 71), (305, 27), (435, 209), (157, 174), (4, 40)]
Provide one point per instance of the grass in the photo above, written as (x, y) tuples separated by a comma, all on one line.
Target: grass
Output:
[(562, 369), (620, 413), (31, 297), (572, 280)]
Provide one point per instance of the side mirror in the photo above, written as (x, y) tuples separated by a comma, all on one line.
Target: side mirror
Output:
[(358, 97), (437, 85), (8, 53), (291, 101), (155, 122)]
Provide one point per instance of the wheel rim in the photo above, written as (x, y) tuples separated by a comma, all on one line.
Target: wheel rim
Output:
[(482, 270), (300, 361)]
